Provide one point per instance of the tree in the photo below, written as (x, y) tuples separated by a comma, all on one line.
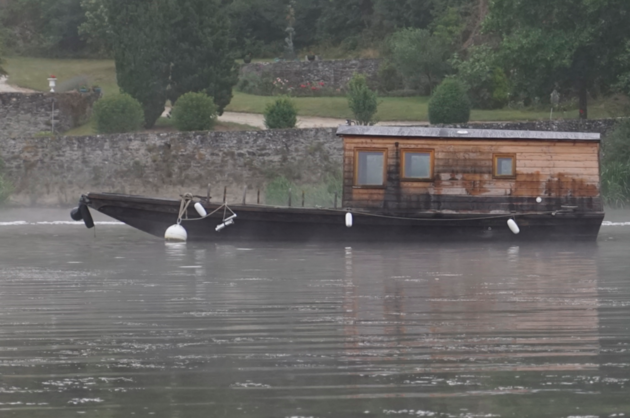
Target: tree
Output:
[(417, 53), (199, 44), (44, 27), (572, 43), (361, 100), (165, 48), (96, 30), (140, 42)]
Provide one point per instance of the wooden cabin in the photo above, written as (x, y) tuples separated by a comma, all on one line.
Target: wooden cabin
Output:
[(416, 169)]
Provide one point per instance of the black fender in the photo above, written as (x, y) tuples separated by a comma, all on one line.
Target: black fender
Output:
[(87, 216), (75, 214)]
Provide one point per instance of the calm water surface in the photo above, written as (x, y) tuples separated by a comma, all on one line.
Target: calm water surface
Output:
[(122, 324)]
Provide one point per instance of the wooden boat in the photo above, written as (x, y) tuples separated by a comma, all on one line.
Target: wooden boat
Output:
[(411, 184)]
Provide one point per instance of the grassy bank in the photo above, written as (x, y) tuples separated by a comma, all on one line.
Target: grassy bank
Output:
[(33, 73)]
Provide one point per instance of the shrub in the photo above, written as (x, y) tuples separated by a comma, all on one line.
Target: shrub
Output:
[(117, 114), (500, 89), (388, 78), (488, 86), (194, 112), (450, 103), (616, 166), (282, 114), (361, 100)]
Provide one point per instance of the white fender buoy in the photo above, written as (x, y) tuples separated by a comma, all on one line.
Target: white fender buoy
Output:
[(176, 233), (349, 219), (513, 226), (539, 199), (201, 210)]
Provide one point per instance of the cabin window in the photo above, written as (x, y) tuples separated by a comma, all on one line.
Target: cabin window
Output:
[(417, 165), (370, 168), (504, 165)]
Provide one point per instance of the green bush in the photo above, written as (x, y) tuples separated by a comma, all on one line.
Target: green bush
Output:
[(117, 114), (361, 100), (388, 78), (615, 172), (194, 112), (500, 89), (282, 114), (487, 84), (450, 103)]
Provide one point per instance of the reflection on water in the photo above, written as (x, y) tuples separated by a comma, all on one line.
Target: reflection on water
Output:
[(122, 325)]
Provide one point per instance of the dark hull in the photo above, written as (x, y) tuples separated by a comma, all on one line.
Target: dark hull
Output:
[(263, 223)]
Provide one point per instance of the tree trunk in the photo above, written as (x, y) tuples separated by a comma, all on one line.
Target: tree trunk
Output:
[(583, 93)]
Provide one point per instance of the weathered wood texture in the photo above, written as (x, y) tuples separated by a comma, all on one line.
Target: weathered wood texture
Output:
[(560, 172)]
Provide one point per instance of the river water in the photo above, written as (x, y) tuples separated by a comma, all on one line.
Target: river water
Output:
[(121, 324)]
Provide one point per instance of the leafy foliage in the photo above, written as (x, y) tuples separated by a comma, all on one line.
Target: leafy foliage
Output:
[(164, 49), (450, 103), (361, 100), (199, 46), (96, 30), (487, 84), (43, 27), (571, 43), (615, 161), (118, 114), (417, 54), (388, 78), (140, 50), (194, 112), (282, 114)]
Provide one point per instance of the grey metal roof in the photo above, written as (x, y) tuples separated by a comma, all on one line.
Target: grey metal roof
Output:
[(422, 132)]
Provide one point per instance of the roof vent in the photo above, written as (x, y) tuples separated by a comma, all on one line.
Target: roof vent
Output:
[(462, 132)]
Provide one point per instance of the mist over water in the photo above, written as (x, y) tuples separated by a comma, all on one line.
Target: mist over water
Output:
[(122, 324)]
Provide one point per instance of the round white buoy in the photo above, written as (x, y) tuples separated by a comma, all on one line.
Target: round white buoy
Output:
[(201, 210), (513, 226), (349, 220), (176, 233), (539, 200)]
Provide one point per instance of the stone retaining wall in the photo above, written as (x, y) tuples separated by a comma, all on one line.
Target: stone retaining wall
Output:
[(29, 114), (334, 74), (56, 171)]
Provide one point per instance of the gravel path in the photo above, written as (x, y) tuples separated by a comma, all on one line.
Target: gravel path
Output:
[(257, 120), (5, 87)]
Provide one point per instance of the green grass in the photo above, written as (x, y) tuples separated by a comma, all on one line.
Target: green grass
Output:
[(33, 73), (411, 109)]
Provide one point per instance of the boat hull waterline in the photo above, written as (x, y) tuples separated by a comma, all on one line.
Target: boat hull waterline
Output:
[(266, 223)]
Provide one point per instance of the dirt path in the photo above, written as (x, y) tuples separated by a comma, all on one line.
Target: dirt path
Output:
[(5, 87)]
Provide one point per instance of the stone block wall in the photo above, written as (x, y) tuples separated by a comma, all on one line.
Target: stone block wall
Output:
[(334, 74), (55, 171), (28, 114)]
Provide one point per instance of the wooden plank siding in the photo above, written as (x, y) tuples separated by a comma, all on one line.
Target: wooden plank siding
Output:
[(560, 172)]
